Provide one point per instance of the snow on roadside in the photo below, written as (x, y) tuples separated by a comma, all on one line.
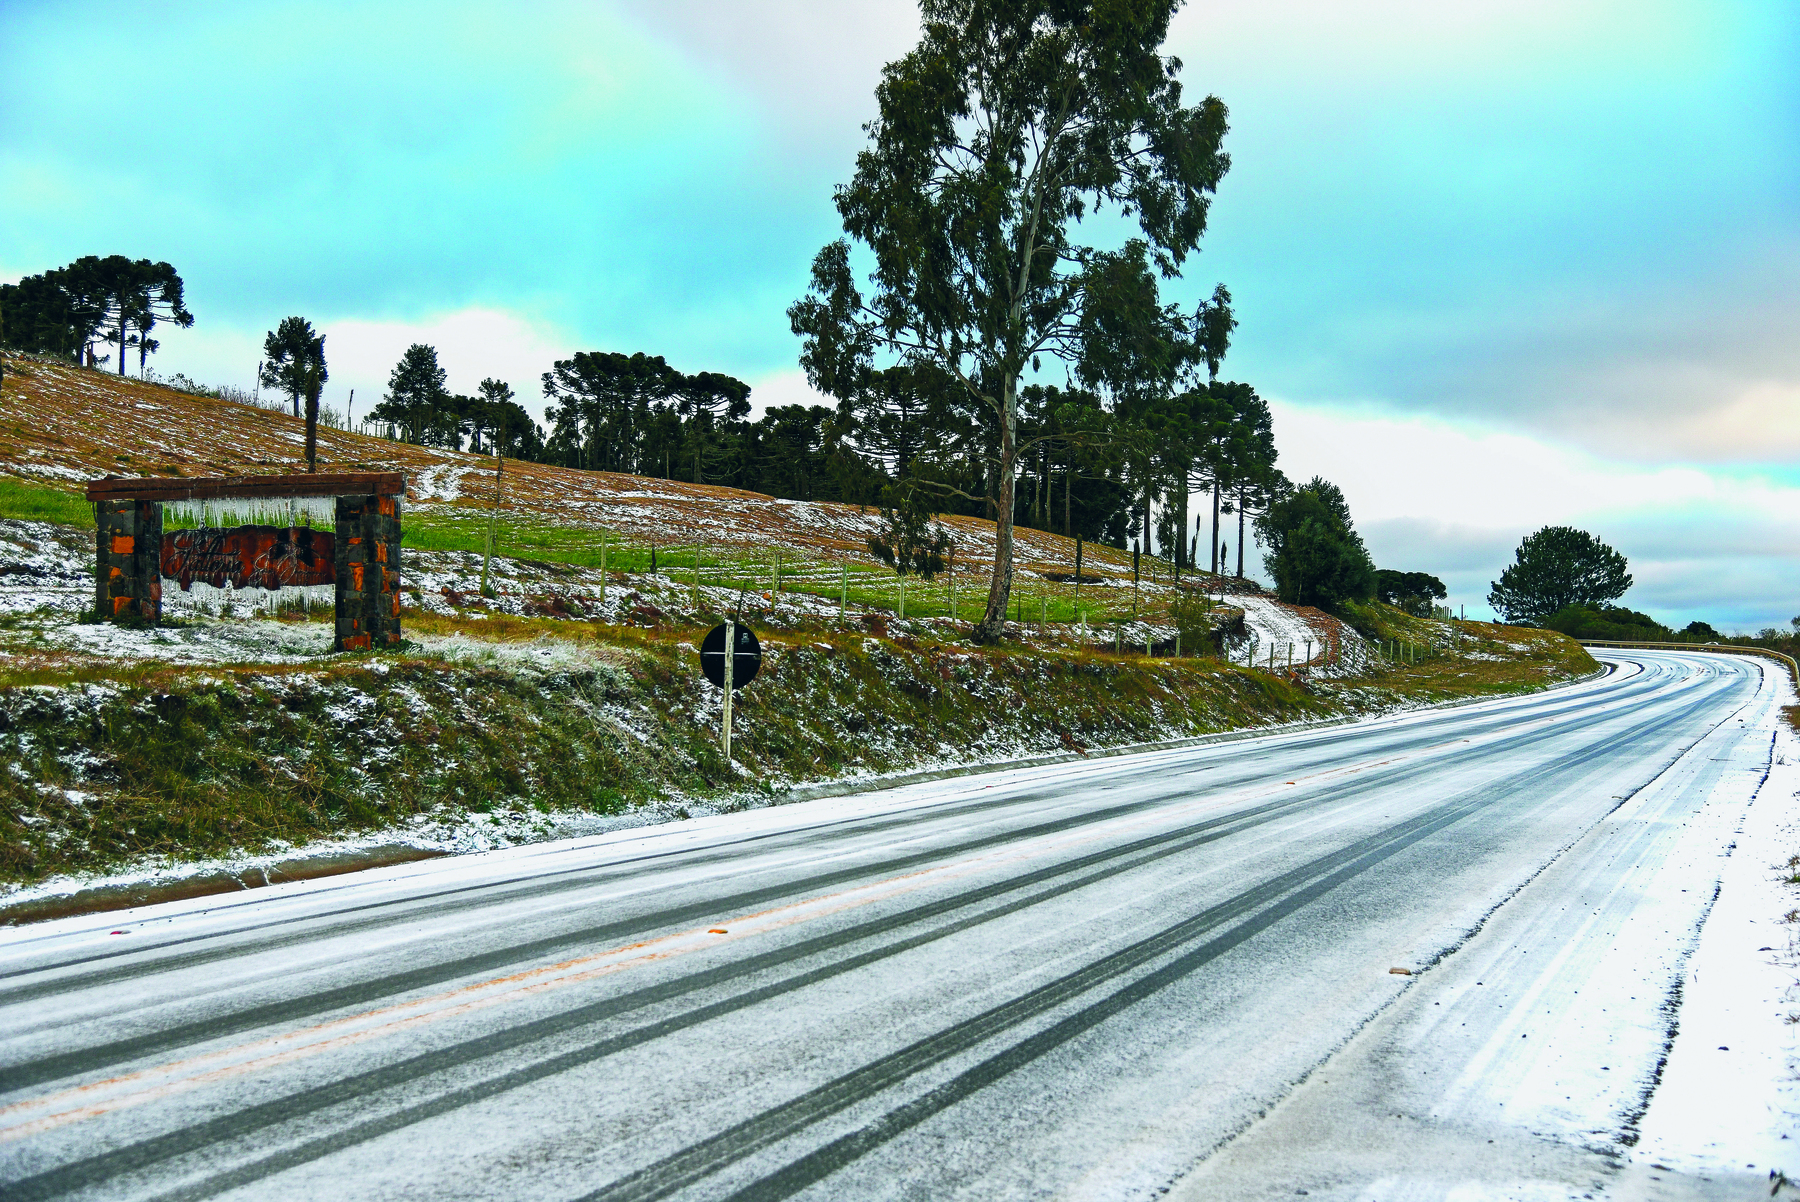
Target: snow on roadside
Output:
[(1277, 626), (440, 483), (1729, 1097), (459, 833), (264, 641)]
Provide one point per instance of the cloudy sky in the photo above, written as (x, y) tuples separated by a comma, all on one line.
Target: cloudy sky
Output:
[(1499, 264)]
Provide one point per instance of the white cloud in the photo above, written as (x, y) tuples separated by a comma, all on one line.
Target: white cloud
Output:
[(784, 388), (472, 344), (811, 67), (1455, 499)]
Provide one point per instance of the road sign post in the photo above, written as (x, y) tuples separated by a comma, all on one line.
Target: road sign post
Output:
[(730, 656), (725, 727)]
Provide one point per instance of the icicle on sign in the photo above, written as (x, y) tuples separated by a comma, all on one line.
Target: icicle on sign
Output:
[(267, 557)]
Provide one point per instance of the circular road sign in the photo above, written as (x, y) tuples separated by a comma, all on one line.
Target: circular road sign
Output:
[(745, 663)]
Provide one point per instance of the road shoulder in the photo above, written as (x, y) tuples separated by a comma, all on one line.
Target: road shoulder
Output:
[(1518, 1067), (1729, 1098)]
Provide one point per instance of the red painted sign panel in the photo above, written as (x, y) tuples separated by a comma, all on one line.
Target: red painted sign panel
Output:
[(250, 556)]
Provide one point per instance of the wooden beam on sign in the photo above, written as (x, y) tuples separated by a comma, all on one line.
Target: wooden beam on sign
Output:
[(212, 488)]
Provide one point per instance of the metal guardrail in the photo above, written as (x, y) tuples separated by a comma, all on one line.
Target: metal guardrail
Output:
[(1718, 648)]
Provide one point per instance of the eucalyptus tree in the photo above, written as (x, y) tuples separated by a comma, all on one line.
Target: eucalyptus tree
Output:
[(1214, 323), (294, 362), (1008, 124)]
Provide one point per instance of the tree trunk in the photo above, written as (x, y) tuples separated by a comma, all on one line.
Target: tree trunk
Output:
[(993, 619), (1215, 530), (121, 337), (1068, 507), (1037, 490), (1240, 570), (1147, 494), (1181, 540), (312, 427)]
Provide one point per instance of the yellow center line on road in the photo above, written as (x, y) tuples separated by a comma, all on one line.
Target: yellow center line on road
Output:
[(182, 1076)]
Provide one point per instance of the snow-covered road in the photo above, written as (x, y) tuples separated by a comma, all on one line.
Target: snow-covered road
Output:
[(1076, 981)]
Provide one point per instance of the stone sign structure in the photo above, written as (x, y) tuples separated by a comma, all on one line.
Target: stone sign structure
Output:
[(360, 558)]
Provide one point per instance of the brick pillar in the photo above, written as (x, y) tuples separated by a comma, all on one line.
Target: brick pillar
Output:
[(128, 561), (368, 573)]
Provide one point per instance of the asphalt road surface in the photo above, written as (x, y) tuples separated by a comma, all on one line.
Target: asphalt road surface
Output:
[(1089, 980)]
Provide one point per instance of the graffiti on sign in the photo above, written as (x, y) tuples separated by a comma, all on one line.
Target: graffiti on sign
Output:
[(268, 557)]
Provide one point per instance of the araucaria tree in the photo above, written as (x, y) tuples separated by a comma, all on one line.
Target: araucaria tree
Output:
[(1010, 122), (65, 310), (294, 361), (416, 397), (1557, 567), (142, 293)]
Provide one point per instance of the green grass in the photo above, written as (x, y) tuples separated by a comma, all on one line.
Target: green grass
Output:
[(858, 585), (40, 503)]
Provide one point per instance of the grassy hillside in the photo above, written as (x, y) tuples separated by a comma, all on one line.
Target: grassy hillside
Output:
[(572, 693), (61, 426)]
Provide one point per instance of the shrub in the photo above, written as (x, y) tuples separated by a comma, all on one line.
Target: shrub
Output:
[(1606, 622)]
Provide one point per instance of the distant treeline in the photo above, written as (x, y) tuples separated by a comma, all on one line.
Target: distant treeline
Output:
[(1150, 470), (1161, 468), (1620, 624), (1164, 470)]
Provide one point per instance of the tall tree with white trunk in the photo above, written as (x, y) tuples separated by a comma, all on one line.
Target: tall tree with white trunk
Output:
[(1002, 140)]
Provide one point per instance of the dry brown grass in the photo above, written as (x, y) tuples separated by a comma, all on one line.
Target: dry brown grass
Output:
[(61, 425)]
